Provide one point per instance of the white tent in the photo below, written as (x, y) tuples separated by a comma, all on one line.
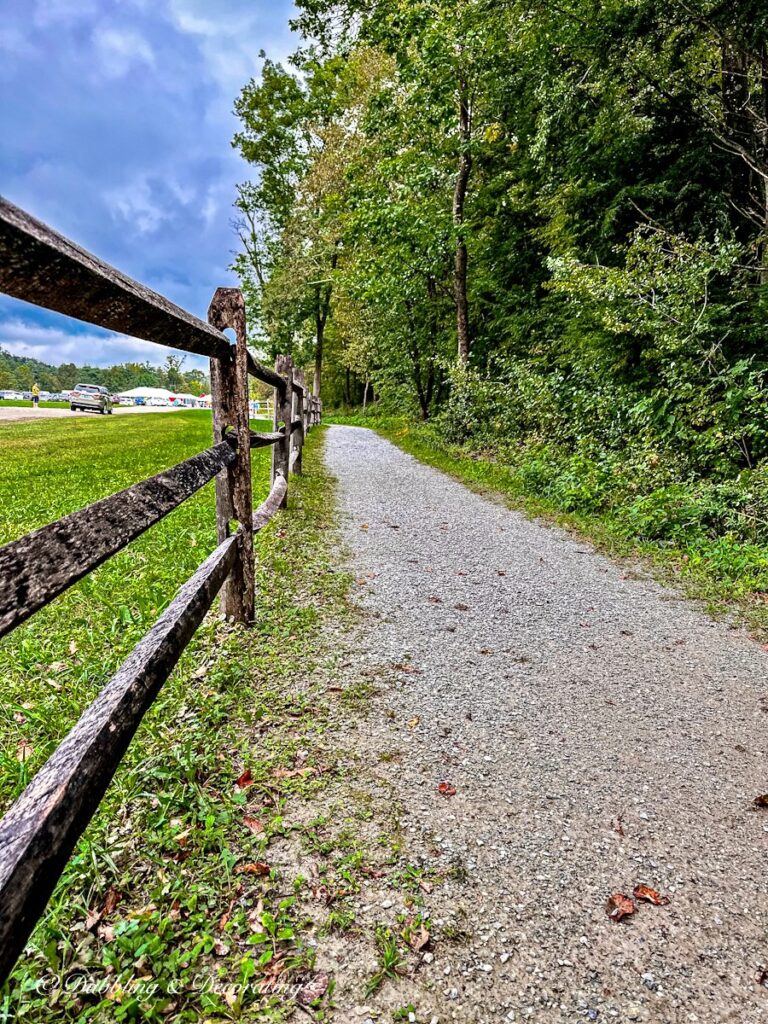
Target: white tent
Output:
[(147, 393), (185, 398)]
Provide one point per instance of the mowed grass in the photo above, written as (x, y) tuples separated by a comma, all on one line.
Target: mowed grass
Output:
[(159, 861)]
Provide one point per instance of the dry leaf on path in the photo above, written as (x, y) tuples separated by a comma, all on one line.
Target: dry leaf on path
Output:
[(413, 722), (644, 892), (253, 823), (417, 940), (313, 989), (245, 779), (619, 906), (446, 789), (255, 868), (761, 801)]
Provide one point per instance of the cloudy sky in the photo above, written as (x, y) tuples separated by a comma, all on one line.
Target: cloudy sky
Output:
[(116, 120)]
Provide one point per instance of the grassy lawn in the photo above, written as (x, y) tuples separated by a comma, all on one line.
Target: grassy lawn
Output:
[(729, 574), (154, 917)]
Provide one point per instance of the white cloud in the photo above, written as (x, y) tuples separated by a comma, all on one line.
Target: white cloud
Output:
[(57, 345), (118, 50), (134, 203)]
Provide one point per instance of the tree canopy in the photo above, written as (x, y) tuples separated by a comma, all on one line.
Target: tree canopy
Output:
[(570, 199)]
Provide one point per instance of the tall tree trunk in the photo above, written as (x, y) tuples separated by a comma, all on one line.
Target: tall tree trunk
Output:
[(365, 394), (459, 198), (322, 309), (319, 338)]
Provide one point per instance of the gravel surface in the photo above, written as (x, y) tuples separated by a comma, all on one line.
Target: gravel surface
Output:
[(599, 731)]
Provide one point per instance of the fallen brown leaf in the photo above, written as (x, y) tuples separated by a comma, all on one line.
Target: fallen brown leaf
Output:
[(417, 940), (313, 989), (413, 722), (364, 526), (255, 868), (253, 824), (245, 779), (619, 906), (644, 892), (461, 607), (761, 801), (446, 789), (436, 600)]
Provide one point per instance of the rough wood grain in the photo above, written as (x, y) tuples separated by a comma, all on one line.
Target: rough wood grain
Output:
[(263, 373), (41, 565), (39, 832), (281, 453), (41, 266), (234, 501), (271, 504), (299, 399), (264, 440)]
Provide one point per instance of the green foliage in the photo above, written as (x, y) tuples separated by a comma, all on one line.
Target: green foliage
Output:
[(178, 943), (19, 373)]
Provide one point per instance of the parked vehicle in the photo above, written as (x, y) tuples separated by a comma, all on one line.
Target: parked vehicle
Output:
[(91, 397), (11, 396)]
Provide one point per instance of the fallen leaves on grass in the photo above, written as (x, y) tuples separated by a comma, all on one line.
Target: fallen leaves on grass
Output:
[(245, 779), (108, 906), (648, 895), (257, 868), (619, 906), (446, 789), (253, 824)]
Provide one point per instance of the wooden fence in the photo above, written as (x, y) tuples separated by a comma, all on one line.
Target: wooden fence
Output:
[(39, 832)]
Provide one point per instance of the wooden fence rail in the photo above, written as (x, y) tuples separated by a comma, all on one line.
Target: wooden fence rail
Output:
[(40, 830)]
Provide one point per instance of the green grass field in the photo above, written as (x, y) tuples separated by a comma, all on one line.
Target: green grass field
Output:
[(169, 835)]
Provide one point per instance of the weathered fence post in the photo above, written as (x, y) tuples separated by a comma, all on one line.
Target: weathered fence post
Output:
[(298, 418), (281, 452), (229, 398)]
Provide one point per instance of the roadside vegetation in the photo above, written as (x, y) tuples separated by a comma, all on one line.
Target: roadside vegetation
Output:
[(170, 908), (541, 231)]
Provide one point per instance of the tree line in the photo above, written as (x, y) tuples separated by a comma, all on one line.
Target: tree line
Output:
[(541, 220), (19, 373)]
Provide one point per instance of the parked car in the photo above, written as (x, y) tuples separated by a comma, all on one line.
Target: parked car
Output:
[(91, 397), (11, 396)]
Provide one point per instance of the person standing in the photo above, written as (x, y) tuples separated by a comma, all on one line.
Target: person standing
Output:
[(35, 395)]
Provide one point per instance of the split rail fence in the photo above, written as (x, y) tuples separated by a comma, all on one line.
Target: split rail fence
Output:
[(40, 830)]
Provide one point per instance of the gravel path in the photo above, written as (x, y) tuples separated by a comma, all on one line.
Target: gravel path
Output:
[(600, 732)]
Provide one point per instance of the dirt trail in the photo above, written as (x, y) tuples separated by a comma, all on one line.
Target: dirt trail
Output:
[(599, 731)]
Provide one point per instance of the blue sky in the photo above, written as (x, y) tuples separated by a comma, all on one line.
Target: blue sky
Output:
[(116, 120)]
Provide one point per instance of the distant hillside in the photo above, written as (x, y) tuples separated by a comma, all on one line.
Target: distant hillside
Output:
[(21, 372)]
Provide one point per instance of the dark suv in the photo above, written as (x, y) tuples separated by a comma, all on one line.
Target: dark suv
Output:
[(91, 397)]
